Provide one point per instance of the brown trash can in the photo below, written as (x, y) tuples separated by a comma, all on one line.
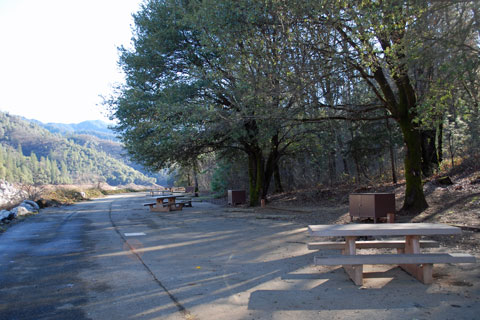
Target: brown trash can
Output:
[(236, 197), (371, 205)]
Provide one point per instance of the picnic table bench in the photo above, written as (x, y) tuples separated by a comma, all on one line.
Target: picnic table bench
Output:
[(187, 202), (408, 255)]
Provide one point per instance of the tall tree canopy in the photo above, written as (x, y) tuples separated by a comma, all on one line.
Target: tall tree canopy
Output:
[(206, 76), (254, 76), (397, 48)]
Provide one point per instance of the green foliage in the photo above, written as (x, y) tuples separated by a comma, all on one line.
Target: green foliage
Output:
[(220, 181), (456, 135), (53, 159), (251, 77), (209, 76)]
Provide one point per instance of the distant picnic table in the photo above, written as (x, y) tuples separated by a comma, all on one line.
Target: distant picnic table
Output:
[(408, 256), (159, 192), (171, 203)]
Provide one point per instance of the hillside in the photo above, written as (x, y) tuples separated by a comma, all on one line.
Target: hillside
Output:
[(115, 150), (97, 134), (32, 154)]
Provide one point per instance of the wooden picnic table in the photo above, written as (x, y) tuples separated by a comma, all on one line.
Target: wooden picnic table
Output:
[(160, 192), (169, 197), (408, 256), (170, 205)]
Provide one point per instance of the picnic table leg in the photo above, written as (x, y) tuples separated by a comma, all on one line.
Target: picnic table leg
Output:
[(173, 205), (422, 273), (355, 272), (159, 208)]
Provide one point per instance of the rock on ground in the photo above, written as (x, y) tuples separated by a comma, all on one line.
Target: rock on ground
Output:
[(9, 193), (20, 211), (4, 214), (30, 206)]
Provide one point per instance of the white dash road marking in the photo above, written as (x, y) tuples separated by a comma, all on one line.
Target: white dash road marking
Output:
[(134, 234)]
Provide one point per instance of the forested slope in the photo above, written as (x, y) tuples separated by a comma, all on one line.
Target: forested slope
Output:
[(32, 154)]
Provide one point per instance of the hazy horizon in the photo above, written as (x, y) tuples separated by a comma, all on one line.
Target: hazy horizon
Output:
[(106, 121)]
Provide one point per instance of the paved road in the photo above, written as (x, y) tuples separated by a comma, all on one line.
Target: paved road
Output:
[(91, 261)]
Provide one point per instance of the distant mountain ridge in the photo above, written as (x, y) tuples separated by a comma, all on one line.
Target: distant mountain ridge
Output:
[(96, 128)]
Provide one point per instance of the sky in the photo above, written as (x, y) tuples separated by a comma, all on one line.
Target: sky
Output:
[(58, 57)]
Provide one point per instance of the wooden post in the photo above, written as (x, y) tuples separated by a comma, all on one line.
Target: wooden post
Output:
[(355, 272), (350, 245), (422, 273), (412, 244), (262, 203)]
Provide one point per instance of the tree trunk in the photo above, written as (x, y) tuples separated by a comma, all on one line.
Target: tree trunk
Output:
[(268, 173), (451, 149), (276, 177), (429, 152), (344, 160), (403, 107), (392, 162), (440, 142), (414, 197), (332, 168), (390, 149), (252, 179), (256, 177), (195, 179), (256, 174), (271, 168)]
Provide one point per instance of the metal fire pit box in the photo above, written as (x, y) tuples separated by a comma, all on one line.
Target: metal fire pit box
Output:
[(236, 197), (371, 205)]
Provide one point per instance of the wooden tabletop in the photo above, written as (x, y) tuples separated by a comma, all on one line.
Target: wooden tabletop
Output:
[(167, 197), (384, 229)]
